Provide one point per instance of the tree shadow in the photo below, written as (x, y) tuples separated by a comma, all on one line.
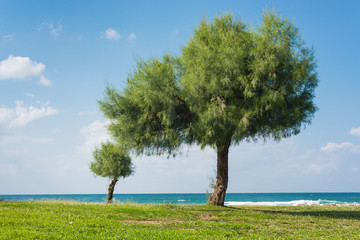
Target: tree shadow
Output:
[(233, 208), (329, 212), (211, 208), (333, 213)]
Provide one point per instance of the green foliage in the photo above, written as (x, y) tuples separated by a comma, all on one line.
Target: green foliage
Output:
[(231, 83), (150, 112), (111, 161), (248, 84), (62, 220)]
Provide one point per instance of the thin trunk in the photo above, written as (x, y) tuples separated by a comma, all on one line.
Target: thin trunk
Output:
[(111, 190), (218, 196)]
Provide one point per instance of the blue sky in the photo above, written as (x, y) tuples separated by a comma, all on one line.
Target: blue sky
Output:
[(57, 56)]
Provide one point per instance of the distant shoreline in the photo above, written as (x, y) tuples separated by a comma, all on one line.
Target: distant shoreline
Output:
[(151, 204), (232, 199)]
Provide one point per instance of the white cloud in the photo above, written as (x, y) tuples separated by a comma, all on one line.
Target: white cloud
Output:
[(9, 36), (319, 168), (44, 81), (55, 30), (29, 95), (21, 115), (6, 114), (18, 139), (111, 34), (330, 147), (94, 134), (355, 131), (131, 37), (314, 169), (22, 68)]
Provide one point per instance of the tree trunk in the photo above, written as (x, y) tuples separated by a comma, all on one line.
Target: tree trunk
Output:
[(218, 196), (111, 190)]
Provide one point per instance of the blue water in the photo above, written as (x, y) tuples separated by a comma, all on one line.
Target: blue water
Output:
[(200, 198)]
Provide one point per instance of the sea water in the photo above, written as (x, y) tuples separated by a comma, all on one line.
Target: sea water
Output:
[(271, 199)]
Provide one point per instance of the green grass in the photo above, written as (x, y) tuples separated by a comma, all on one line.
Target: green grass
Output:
[(70, 220)]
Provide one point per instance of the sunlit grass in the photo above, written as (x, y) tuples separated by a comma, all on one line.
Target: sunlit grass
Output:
[(74, 220)]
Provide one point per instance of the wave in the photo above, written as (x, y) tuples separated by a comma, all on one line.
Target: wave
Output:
[(294, 203)]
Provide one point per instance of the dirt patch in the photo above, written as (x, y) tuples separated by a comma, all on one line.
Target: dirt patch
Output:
[(151, 222), (143, 222), (207, 217)]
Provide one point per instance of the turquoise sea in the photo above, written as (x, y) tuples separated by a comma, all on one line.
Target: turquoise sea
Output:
[(272, 199)]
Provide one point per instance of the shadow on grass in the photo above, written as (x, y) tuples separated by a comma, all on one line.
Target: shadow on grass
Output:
[(233, 208), (319, 213), (332, 213), (207, 208)]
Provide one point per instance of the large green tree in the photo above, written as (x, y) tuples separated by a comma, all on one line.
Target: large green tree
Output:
[(231, 83), (111, 161)]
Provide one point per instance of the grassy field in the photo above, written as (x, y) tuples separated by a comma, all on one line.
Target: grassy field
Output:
[(67, 220)]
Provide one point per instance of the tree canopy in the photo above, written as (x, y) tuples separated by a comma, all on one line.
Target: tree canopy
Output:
[(231, 82), (111, 161), (150, 114)]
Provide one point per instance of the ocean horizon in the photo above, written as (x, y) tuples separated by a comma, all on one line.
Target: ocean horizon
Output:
[(269, 199)]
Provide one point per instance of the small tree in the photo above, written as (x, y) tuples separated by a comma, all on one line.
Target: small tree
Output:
[(231, 83), (111, 161)]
